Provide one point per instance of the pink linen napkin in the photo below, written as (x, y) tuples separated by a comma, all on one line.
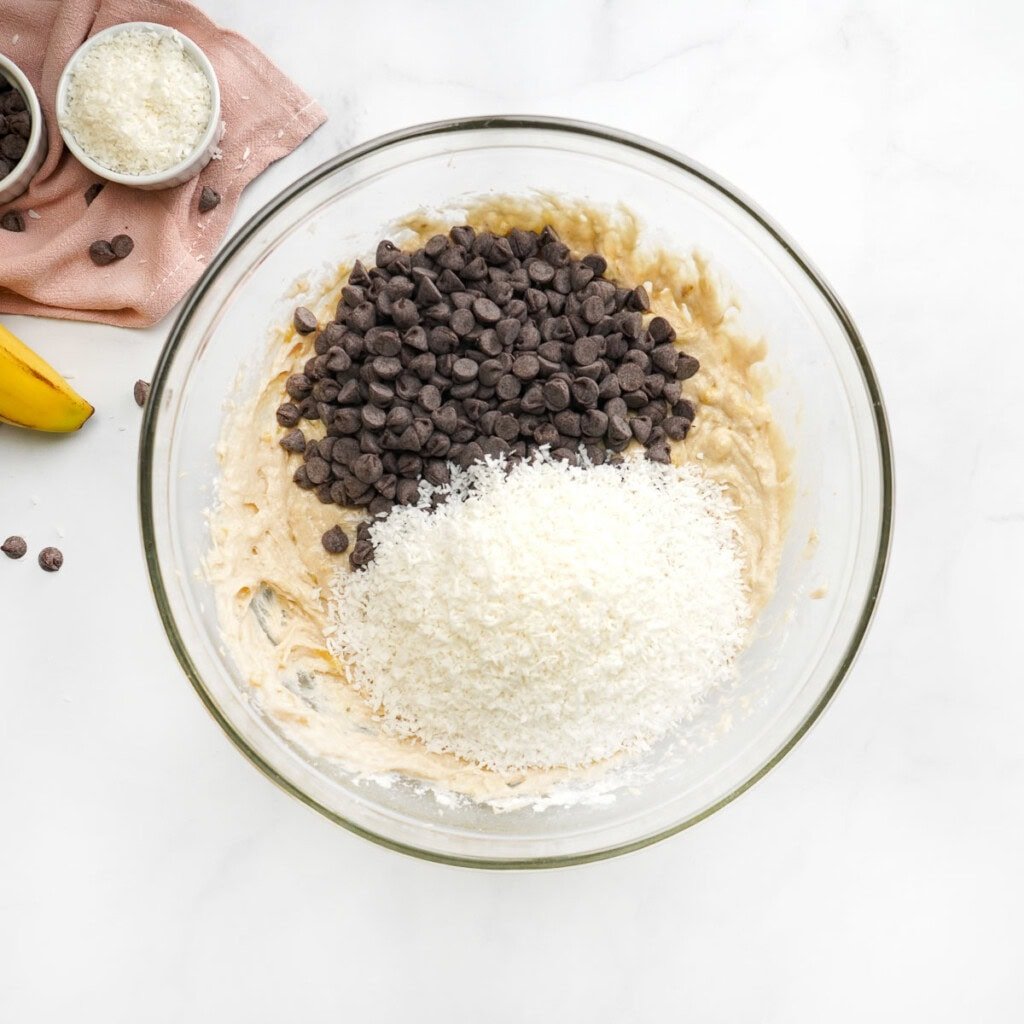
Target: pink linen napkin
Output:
[(45, 270)]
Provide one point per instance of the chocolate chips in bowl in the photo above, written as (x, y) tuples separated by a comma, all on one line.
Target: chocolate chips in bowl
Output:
[(15, 127), (478, 344), (22, 140)]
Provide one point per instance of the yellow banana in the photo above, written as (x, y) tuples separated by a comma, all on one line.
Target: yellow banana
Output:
[(33, 394)]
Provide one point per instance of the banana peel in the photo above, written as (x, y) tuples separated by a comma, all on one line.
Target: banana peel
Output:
[(33, 394)]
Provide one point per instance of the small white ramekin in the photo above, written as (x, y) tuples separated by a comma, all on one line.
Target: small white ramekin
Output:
[(24, 170), (180, 172)]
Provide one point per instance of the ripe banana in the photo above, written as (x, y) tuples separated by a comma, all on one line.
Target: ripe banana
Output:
[(33, 394)]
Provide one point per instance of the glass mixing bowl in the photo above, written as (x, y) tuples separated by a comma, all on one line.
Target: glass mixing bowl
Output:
[(826, 400)]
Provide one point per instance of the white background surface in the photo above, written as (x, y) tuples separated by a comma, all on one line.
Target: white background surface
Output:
[(149, 873)]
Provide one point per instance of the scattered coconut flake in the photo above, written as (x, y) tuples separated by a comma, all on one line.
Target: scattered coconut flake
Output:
[(33, 215)]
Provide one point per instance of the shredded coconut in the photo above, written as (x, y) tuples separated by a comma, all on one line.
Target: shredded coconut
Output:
[(545, 616), (137, 102)]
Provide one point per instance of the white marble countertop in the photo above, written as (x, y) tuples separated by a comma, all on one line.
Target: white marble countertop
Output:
[(149, 873)]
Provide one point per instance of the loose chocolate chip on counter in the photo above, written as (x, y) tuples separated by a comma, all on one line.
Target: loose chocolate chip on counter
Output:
[(304, 320), (12, 221), (141, 393), (122, 246), (101, 253), (51, 559), (335, 540), (14, 547), (93, 191), (209, 198)]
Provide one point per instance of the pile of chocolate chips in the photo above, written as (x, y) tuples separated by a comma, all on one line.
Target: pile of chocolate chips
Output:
[(15, 127), (478, 344)]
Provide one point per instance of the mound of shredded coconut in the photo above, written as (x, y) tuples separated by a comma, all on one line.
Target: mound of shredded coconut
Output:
[(137, 102), (545, 615)]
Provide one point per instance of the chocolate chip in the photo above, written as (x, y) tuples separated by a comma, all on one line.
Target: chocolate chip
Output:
[(641, 427), (556, 395), (122, 246), (387, 485), (660, 330), (586, 350), (437, 445), (436, 472), (140, 392), (508, 387), (526, 366), (13, 147), (687, 367), (471, 453), (304, 320), (464, 370), (410, 465), (373, 417), (585, 392), (593, 423), (684, 409), (430, 398), (639, 299), (361, 555), (666, 358), (546, 433), (100, 252), (51, 559), (540, 272), (407, 492), (619, 430), (507, 330), (676, 427), (208, 199), (486, 311), (93, 191), (14, 547), (335, 540), (592, 309), (630, 377), (659, 453), (507, 427), (567, 422)]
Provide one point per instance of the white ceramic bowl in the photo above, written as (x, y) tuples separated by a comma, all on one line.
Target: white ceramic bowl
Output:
[(178, 173), (24, 170)]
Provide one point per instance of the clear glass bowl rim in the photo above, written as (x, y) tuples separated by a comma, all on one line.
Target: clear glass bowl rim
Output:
[(568, 127)]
